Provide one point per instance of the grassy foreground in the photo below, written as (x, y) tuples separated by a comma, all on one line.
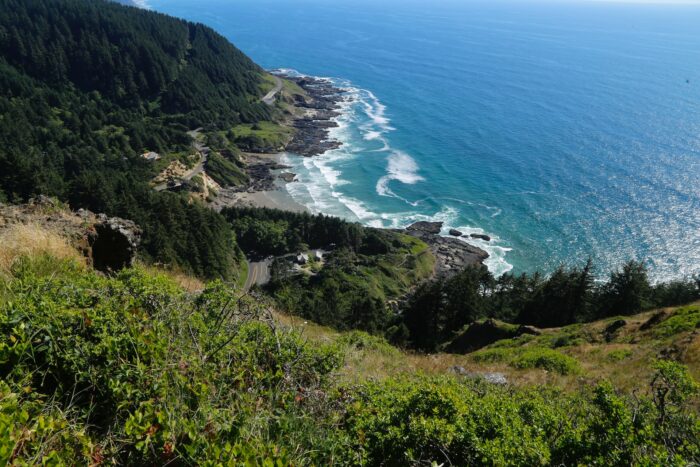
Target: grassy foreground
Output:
[(134, 369)]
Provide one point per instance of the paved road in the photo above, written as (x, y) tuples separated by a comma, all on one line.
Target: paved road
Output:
[(269, 98), (258, 274)]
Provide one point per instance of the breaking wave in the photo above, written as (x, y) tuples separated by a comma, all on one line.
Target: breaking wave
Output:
[(363, 126)]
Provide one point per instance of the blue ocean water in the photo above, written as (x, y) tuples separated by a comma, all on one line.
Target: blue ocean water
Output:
[(562, 129)]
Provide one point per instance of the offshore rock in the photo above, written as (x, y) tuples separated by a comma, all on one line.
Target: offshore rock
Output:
[(481, 237), (427, 227)]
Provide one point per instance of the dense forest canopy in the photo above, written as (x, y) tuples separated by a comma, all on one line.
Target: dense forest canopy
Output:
[(87, 86)]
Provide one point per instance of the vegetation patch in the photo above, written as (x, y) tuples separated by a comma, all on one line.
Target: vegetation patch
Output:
[(618, 355), (496, 355), (224, 172), (263, 136), (683, 320), (546, 359), (133, 369)]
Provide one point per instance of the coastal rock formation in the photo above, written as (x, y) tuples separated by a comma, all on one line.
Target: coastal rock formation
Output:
[(433, 228), (311, 136), (452, 255), (108, 243), (481, 237), (455, 233), (288, 177), (489, 377)]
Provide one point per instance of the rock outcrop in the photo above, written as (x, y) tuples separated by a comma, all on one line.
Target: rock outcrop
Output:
[(432, 228), (455, 233), (114, 243), (108, 243), (311, 137), (452, 255), (481, 237), (489, 377)]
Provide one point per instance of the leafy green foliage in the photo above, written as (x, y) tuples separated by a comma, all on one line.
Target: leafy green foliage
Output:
[(684, 319), (224, 172), (437, 312), (352, 291), (529, 357), (133, 370), (547, 359), (440, 420), (292, 231)]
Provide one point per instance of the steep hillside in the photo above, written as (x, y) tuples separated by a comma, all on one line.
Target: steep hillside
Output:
[(132, 369), (88, 86)]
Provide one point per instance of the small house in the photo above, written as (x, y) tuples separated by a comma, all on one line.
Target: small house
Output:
[(151, 156), (302, 258)]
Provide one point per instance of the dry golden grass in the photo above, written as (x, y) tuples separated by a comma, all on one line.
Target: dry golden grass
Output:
[(33, 240)]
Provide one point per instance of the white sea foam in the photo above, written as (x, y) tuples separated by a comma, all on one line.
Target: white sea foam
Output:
[(400, 167), (496, 262), (362, 124)]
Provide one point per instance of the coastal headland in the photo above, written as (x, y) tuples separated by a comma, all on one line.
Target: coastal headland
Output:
[(311, 106)]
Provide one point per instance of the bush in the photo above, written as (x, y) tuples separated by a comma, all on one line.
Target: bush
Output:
[(618, 355), (682, 320), (133, 369), (547, 359), (441, 421), (494, 355)]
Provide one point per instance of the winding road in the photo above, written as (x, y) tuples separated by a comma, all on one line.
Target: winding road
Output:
[(269, 98), (258, 274), (203, 152)]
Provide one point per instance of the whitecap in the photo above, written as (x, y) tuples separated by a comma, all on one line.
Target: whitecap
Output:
[(362, 124), (400, 167)]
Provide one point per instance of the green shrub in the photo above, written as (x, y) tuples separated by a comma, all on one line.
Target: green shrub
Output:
[(682, 320), (547, 359), (441, 421), (133, 369), (618, 355), (494, 355)]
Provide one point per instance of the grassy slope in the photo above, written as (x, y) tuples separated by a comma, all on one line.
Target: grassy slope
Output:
[(626, 360), (174, 382)]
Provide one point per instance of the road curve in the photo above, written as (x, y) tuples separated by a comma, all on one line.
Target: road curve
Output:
[(269, 98), (258, 274)]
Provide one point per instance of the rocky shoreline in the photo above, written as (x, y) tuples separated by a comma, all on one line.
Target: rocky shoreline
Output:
[(321, 106), (452, 255), (311, 138)]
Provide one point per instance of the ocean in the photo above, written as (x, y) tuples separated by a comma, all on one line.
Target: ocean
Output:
[(563, 130)]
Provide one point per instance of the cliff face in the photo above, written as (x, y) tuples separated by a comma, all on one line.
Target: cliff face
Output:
[(107, 243)]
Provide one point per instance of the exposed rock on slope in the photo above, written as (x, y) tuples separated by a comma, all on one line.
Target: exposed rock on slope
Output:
[(108, 243), (452, 255)]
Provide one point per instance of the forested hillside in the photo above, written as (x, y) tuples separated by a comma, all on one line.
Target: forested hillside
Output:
[(88, 86)]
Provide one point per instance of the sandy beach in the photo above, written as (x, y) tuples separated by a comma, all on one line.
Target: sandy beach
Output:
[(276, 198)]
